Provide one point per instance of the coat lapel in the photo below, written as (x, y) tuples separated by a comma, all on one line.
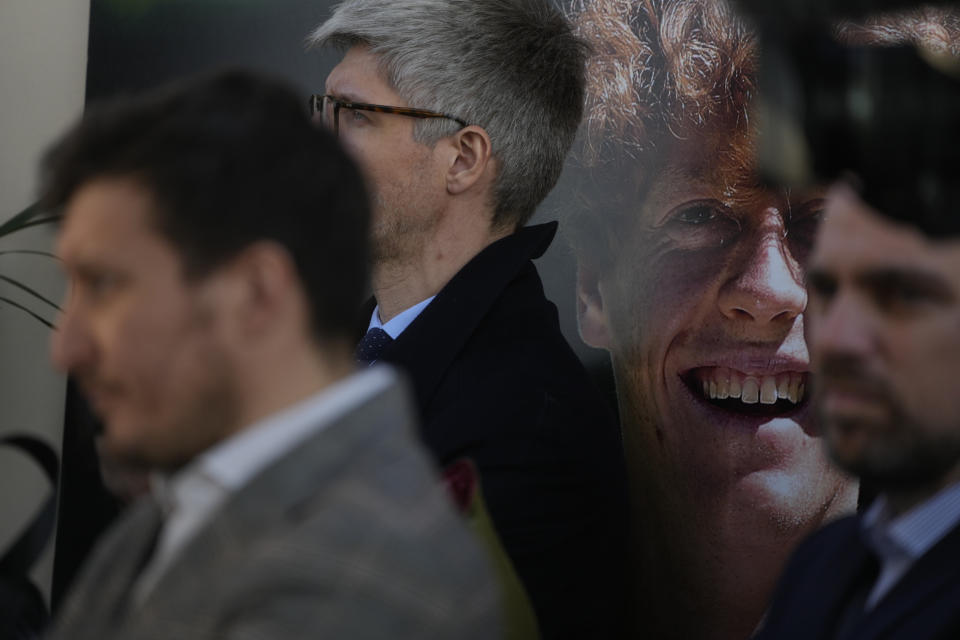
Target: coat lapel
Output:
[(428, 346), (931, 574), (101, 599), (272, 502), (845, 564)]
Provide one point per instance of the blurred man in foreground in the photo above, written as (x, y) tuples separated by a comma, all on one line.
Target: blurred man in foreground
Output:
[(215, 243)]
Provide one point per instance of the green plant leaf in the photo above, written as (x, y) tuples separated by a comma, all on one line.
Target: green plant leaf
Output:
[(34, 223), (19, 221), (31, 252), (29, 217), (33, 292), (14, 303)]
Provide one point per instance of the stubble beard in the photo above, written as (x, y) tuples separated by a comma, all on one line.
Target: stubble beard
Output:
[(209, 411), (211, 416), (401, 227), (902, 455)]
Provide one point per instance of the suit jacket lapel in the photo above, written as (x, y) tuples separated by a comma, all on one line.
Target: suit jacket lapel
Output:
[(932, 573), (844, 566), (274, 497), (101, 599), (428, 346)]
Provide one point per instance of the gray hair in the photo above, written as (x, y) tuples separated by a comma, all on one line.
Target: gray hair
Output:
[(513, 67)]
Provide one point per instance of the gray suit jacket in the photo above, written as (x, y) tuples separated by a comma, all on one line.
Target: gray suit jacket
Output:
[(350, 535)]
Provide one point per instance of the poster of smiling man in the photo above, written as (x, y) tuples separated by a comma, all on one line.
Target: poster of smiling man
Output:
[(691, 275)]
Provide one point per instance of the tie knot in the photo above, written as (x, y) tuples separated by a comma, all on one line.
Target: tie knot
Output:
[(372, 345)]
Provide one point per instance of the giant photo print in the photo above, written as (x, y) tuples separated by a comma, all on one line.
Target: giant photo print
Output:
[(690, 273), (691, 266), (673, 301)]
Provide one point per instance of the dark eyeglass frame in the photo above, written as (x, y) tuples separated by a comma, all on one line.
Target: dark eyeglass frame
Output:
[(316, 106)]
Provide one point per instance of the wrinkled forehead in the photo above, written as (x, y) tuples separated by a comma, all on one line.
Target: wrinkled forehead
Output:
[(360, 77), (722, 164)]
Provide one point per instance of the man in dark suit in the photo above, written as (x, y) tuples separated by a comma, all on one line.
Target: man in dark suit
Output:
[(884, 313), (461, 112), (883, 282), (215, 241)]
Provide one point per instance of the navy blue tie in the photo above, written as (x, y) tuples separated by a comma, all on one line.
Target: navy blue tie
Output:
[(372, 345)]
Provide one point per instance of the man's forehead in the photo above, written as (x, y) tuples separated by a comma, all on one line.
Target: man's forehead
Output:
[(103, 218), (731, 181), (857, 237), (359, 78), (722, 159)]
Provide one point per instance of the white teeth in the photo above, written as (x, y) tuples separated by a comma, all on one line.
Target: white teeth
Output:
[(783, 386), (721, 383), (723, 390), (792, 390), (768, 390), (735, 386)]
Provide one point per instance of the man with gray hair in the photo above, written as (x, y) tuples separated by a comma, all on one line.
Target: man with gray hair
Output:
[(461, 112)]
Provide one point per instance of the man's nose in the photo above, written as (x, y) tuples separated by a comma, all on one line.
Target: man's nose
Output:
[(839, 328), (767, 287), (71, 346)]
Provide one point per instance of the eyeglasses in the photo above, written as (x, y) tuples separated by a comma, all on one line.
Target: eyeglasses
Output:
[(321, 104)]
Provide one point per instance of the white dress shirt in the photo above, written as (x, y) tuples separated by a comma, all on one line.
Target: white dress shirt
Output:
[(398, 324), (193, 495), (899, 542)]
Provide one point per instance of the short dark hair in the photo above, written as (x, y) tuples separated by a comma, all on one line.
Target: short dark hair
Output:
[(903, 156), (231, 159)]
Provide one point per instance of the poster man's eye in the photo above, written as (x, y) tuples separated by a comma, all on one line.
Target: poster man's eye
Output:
[(697, 214), (701, 225), (801, 227), (806, 218)]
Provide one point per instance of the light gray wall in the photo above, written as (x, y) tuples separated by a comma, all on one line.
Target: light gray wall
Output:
[(43, 61)]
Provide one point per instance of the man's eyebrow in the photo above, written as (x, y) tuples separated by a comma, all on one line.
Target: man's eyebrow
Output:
[(675, 183), (918, 278), (347, 96), (83, 269), (684, 174), (819, 277)]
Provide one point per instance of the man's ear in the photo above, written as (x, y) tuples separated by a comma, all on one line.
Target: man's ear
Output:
[(265, 288), (591, 313), (471, 155)]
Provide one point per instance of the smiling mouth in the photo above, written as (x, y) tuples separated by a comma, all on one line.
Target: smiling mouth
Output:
[(749, 394)]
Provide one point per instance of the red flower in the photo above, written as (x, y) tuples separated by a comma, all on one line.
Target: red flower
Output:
[(461, 479)]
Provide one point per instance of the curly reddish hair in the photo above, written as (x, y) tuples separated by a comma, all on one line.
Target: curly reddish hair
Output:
[(671, 72), (661, 72), (662, 67), (933, 28)]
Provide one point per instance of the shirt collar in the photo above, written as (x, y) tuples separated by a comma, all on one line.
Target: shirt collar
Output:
[(235, 461), (915, 532), (396, 325)]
